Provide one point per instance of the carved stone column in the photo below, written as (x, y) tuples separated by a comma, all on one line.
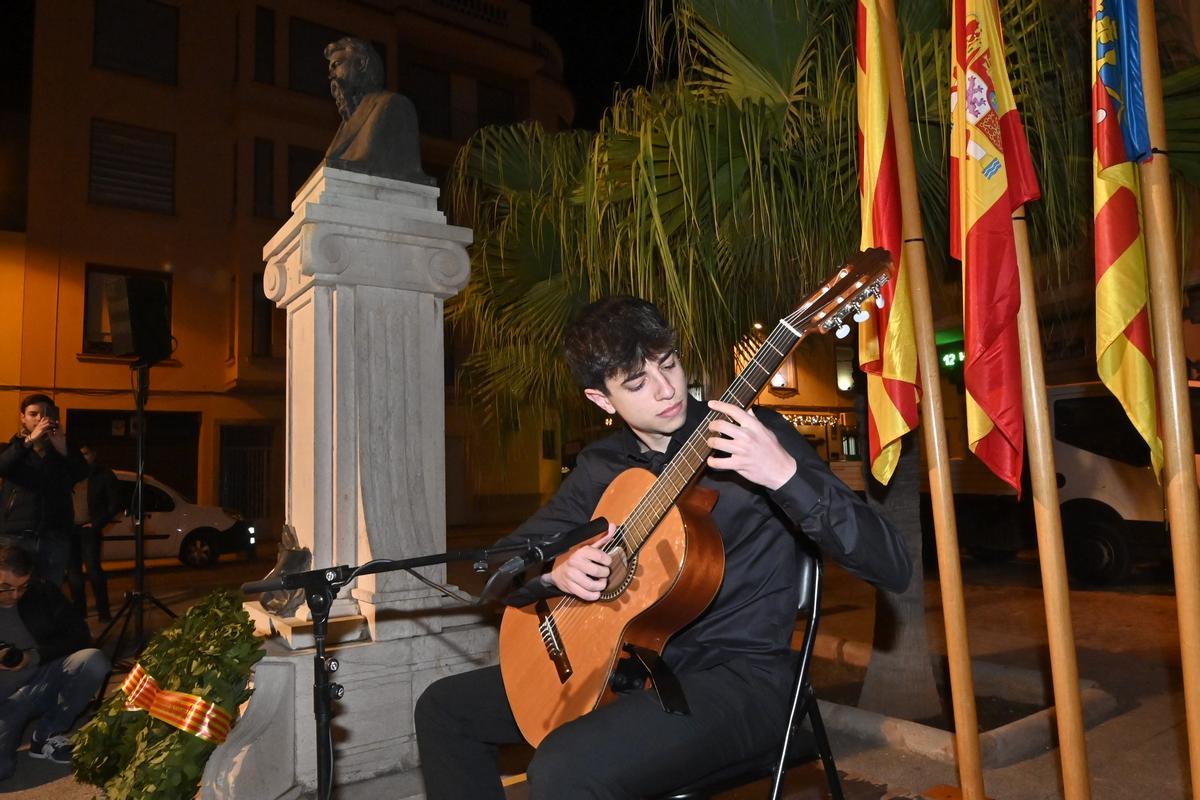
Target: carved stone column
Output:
[(362, 268)]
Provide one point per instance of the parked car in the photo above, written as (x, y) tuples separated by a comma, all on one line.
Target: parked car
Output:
[(1113, 509), (175, 527)]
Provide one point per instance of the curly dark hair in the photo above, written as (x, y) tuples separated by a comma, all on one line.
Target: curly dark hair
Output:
[(615, 335)]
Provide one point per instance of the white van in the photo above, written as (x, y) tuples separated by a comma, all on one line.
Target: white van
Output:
[(1112, 506)]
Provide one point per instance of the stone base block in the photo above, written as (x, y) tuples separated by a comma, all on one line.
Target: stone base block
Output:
[(271, 751)]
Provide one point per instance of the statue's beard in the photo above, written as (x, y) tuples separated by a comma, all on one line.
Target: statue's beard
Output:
[(346, 95)]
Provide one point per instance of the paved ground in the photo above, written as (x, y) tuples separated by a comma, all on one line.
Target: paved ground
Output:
[(1127, 642)]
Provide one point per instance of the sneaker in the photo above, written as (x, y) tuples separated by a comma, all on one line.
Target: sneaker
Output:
[(57, 748)]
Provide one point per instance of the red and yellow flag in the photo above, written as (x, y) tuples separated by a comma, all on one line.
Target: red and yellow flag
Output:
[(1124, 346), (887, 347), (991, 175)]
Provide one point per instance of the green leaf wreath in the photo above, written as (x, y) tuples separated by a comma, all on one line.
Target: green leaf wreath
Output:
[(208, 652)]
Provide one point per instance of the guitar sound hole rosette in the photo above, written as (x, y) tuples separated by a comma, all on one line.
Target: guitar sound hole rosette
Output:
[(630, 568)]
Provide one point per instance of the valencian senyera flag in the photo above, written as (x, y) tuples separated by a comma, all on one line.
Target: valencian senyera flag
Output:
[(1124, 347), (887, 348), (991, 175)]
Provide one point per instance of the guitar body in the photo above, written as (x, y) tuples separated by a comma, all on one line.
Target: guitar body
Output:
[(675, 575)]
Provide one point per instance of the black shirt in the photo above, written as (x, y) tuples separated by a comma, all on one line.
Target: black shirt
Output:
[(36, 492), (754, 612)]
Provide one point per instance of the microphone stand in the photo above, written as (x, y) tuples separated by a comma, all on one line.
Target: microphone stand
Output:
[(321, 586)]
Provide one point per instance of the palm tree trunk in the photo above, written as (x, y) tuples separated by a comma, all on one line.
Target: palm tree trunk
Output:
[(900, 680)]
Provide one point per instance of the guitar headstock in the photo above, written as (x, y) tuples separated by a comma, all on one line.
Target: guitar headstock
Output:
[(847, 294)]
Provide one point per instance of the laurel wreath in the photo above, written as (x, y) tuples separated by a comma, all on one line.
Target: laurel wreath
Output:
[(209, 652)]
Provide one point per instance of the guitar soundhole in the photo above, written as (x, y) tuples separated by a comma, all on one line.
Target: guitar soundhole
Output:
[(621, 576)]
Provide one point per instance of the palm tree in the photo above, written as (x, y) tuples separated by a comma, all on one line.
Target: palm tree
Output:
[(728, 189)]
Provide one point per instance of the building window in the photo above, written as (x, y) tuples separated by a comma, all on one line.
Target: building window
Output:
[(844, 358), (267, 323), (246, 468), (137, 37), (264, 45), (264, 178), (301, 163), (97, 324), (429, 89), (497, 105), (231, 320), (132, 167), (308, 71), (495, 13)]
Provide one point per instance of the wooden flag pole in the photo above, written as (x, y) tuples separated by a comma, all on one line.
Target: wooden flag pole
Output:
[(1064, 670), (1183, 512), (937, 459)]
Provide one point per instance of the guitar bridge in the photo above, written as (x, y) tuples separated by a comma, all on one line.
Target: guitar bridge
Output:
[(553, 642)]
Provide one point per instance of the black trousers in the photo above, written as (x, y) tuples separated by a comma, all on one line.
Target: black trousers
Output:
[(85, 551), (627, 749)]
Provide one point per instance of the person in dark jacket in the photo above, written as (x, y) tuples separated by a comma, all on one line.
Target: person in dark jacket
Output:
[(97, 501), (39, 470), (733, 662), (48, 669)]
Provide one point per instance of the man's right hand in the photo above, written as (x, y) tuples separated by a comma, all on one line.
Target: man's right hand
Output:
[(584, 573), (40, 431)]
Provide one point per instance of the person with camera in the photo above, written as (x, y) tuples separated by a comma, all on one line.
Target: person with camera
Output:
[(48, 669), (40, 470)]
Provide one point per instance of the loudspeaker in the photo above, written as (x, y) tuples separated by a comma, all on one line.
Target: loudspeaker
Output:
[(140, 315)]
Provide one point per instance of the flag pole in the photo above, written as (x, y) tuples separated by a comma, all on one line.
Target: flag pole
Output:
[(1064, 669), (1166, 316), (937, 459)]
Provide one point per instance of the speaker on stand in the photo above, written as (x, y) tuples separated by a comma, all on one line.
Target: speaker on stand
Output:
[(139, 313)]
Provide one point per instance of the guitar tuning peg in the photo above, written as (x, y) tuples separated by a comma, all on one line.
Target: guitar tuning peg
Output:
[(843, 331), (879, 301), (862, 315)]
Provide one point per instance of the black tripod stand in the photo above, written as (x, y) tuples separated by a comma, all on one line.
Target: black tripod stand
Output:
[(134, 605)]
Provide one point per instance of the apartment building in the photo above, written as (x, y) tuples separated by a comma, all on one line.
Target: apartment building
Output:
[(166, 138)]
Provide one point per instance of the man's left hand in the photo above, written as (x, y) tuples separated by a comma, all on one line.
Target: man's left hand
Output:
[(751, 450)]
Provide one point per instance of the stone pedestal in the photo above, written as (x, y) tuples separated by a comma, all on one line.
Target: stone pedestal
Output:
[(363, 268)]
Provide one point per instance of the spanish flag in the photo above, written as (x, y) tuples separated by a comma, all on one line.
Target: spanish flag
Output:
[(887, 348), (991, 175), (1124, 346)]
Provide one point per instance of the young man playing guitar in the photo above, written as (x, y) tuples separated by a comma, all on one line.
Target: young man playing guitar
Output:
[(733, 661)]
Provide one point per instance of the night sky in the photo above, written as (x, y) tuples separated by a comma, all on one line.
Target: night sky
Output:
[(603, 44)]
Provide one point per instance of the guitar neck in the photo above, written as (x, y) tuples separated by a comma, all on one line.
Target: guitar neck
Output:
[(858, 282), (692, 457)]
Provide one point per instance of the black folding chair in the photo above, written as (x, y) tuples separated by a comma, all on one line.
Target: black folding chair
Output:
[(799, 747)]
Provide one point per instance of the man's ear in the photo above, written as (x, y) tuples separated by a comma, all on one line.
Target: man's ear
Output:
[(601, 399)]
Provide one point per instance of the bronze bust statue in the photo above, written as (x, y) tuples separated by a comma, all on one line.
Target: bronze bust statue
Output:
[(379, 133)]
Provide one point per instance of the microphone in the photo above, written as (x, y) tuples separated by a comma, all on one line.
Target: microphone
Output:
[(551, 547)]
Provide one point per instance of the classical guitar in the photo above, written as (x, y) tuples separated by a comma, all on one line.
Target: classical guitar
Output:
[(557, 656)]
